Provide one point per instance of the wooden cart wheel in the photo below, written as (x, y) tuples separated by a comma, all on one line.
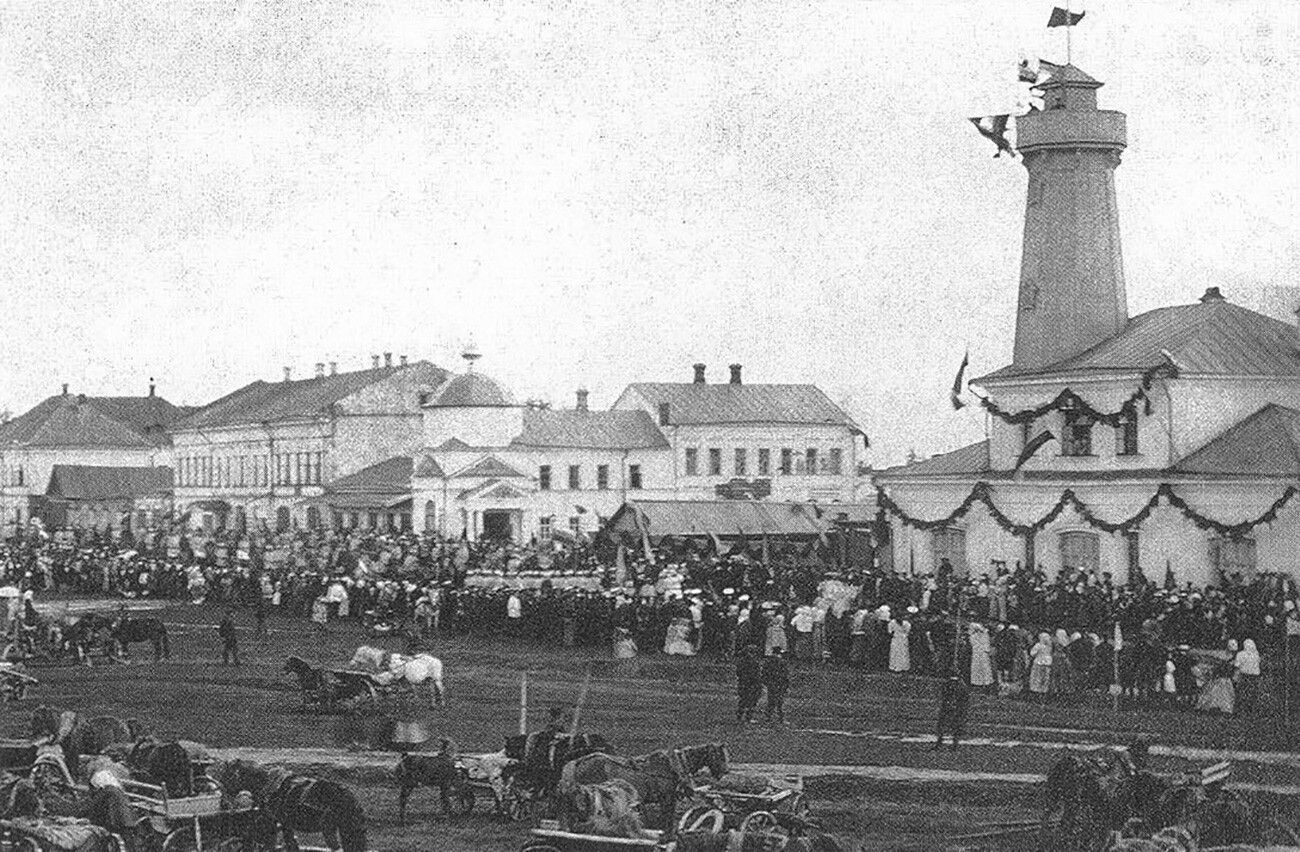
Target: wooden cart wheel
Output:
[(702, 818), (179, 840), (515, 803), (758, 821)]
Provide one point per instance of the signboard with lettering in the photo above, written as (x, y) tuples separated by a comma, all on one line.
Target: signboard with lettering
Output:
[(744, 489)]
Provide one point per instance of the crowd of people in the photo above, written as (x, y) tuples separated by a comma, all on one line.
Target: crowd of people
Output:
[(1011, 629)]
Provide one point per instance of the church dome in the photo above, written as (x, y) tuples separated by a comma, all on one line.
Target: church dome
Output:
[(472, 390)]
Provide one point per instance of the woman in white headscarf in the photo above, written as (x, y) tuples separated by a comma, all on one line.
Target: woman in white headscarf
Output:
[(1247, 665), (981, 660), (1040, 668)]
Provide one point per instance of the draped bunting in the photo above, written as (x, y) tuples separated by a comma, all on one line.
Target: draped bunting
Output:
[(982, 492), (1068, 400)]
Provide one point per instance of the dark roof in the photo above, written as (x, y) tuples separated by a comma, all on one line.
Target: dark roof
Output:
[(429, 466), (590, 430), (722, 517), (472, 390), (389, 476), (972, 459), (303, 398), (699, 402), (489, 466), (1267, 443), (1212, 337), (73, 420), (89, 482), (453, 445)]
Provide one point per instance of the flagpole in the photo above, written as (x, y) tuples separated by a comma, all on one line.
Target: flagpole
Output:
[(1069, 53)]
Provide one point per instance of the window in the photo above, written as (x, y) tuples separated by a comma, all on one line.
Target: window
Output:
[(372, 520), (1126, 437), (692, 461), (787, 461), (545, 529), (837, 461), (313, 518), (1080, 551), (1077, 437), (22, 476), (602, 477), (740, 461), (544, 478), (764, 462), (282, 519), (1133, 554), (634, 476), (1233, 556), (575, 525), (810, 461), (715, 462), (575, 478), (663, 413)]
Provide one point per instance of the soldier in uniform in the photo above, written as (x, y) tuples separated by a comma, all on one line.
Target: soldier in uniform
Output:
[(954, 700), (749, 682)]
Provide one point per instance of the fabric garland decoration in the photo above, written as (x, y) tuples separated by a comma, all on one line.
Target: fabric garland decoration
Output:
[(1068, 400), (982, 492)]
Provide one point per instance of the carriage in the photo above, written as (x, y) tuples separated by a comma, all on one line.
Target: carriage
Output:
[(182, 823), (494, 774), (751, 802), (55, 834)]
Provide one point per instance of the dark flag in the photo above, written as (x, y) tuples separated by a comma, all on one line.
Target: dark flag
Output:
[(955, 396), (1064, 18), (994, 129), (1032, 447)]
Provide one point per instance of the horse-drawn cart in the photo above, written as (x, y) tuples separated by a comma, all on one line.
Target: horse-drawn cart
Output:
[(182, 823), (751, 801)]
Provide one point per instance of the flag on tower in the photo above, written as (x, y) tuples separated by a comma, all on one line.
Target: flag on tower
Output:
[(994, 129), (1032, 447), (1064, 17), (955, 396)]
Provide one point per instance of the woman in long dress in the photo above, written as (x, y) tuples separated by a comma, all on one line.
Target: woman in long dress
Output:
[(1040, 668), (981, 662), (900, 657), (1246, 663), (1062, 678)]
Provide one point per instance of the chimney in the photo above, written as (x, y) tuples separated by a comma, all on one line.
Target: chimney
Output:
[(388, 359), (65, 388), (320, 369), (1212, 294), (582, 399), (152, 387), (664, 410), (334, 368), (402, 359), (374, 362), (81, 399), (699, 374), (735, 374), (287, 372)]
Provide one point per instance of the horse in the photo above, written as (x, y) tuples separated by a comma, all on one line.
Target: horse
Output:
[(128, 630), (438, 770), (163, 762), (659, 777), (81, 633), (298, 803), (390, 667), (711, 756), (1093, 794), (608, 809), (76, 734)]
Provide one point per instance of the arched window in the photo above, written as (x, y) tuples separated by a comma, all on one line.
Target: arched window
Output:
[(282, 521), (313, 518), (1081, 551)]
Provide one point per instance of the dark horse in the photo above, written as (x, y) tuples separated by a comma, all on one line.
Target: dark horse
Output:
[(437, 769), (319, 687), (83, 634), (298, 803), (78, 735), (659, 777), (129, 630), (162, 762)]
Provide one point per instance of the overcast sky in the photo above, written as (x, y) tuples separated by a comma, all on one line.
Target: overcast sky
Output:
[(599, 192)]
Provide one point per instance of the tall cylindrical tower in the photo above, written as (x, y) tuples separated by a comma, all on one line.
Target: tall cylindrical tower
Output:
[(1071, 270)]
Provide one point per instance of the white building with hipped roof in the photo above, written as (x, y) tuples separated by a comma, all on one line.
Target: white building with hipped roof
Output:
[(1169, 441)]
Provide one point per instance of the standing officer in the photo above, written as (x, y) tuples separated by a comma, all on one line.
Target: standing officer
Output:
[(229, 639), (776, 677), (954, 699)]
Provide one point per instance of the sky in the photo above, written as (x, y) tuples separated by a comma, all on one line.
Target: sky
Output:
[(602, 192)]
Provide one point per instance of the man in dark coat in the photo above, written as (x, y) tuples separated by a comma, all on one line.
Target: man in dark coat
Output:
[(749, 683), (954, 700), (229, 639), (776, 677)]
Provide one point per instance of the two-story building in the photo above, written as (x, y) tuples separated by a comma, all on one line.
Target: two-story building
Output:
[(493, 467), (1169, 441), (113, 436), (266, 452)]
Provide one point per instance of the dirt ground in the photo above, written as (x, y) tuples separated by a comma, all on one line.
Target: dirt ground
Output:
[(837, 718)]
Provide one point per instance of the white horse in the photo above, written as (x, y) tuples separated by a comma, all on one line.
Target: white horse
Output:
[(389, 667)]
